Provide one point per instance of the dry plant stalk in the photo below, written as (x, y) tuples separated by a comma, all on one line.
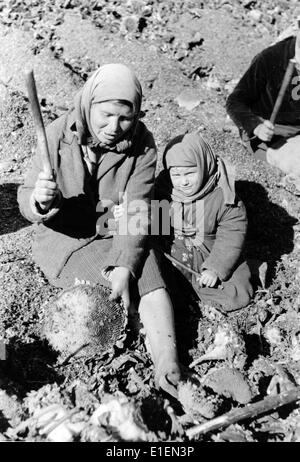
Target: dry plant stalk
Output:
[(248, 412)]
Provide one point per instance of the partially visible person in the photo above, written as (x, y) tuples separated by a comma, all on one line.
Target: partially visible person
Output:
[(101, 153), (208, 223), (251, 103)]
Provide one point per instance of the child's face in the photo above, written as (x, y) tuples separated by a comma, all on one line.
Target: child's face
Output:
[(110, 120), (184, 179)]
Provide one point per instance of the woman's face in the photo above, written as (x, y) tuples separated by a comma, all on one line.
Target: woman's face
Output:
[(110, 120), (184, 179)]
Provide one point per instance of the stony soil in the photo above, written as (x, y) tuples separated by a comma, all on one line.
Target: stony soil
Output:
[(188, 55)]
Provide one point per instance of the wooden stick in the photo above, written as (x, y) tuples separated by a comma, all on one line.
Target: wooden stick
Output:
[(248, 412), (179, 263), (285, 82), (38, 122)]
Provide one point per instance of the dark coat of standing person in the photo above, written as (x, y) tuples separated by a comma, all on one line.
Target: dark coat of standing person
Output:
[(251, 103)]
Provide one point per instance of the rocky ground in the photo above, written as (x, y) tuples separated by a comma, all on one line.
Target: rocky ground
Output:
[(188, 56)]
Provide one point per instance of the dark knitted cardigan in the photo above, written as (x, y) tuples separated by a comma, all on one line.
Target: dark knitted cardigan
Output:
[(72, 225), (255, 94)]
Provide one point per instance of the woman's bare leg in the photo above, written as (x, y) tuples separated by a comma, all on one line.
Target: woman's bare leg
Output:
[(156, 313)]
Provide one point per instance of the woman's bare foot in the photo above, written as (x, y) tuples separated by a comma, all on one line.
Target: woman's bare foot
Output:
[(167, 375)]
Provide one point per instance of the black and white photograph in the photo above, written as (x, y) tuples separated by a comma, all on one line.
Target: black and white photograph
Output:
[(149, 224)]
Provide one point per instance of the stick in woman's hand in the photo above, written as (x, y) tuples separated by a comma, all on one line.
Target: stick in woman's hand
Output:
[(39, 124)]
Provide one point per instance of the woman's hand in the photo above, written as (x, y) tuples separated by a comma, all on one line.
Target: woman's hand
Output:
[(45, 191), (120, 277), (208, 278), (264, 131)]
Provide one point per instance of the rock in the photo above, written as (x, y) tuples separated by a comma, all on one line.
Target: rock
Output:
[(213, 83), (229, 383), (6, 166), (256, 15), (189, 99), (129, 24), (196, 40)]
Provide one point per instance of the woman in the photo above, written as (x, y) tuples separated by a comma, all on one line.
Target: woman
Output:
[(209, 222), (102, 154)]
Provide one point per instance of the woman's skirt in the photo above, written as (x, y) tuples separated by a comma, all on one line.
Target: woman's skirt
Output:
[(86, 264)]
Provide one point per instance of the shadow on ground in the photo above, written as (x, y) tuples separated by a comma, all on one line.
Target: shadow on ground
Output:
[(3, 423), (11, 219), (270, 227), (30, 366)]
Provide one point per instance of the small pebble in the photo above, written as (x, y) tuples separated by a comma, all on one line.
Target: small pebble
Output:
[(256, 15), (189, 99)]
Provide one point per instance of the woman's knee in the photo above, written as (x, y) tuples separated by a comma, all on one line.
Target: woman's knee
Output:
[(156, 295)]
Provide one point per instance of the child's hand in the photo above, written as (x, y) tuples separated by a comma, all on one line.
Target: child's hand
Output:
[(120, 277), (118, 211), (208, 278)]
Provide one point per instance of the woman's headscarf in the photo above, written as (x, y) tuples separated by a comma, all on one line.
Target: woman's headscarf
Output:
[(110, 82), (191, 150)]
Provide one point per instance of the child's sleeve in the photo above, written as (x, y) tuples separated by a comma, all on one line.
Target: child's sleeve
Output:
[(230, 238)]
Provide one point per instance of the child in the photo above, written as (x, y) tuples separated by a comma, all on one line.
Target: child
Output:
[(209, 222)]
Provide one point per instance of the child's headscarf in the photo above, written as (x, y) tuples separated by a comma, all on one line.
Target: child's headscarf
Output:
[(110, 82), (191, 150)]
